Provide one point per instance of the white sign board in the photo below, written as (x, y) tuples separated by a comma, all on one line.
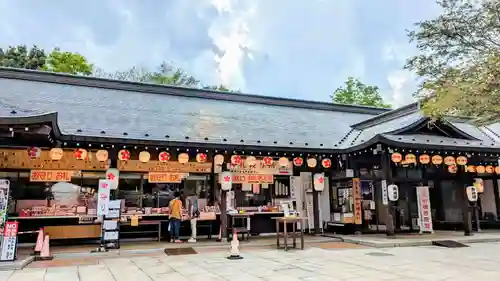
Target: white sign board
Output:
[(472, 193), (113, 176), (393, 192), (424, 209), (226, 181), (9, 241), (4, 199), (385, 200), (103, 197)]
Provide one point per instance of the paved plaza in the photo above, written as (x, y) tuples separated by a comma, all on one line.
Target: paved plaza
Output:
[(478, 262)]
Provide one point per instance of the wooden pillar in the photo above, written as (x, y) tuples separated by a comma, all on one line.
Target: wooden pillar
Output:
[(464, 181), (497, 195), (387, 177)]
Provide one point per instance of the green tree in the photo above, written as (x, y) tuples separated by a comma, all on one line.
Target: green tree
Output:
[(459, 60), (165, 74), (357, 93), (22, 57), (67, 62), (220, 88)]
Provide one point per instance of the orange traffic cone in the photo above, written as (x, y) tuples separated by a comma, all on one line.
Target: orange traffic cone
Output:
[(39, 243), (45, 253), (234, 254)]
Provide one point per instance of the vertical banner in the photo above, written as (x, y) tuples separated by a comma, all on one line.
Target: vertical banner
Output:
[(385, 199), (4, 199), (9, 241), (356, 194), (103, 197), (424, 209)]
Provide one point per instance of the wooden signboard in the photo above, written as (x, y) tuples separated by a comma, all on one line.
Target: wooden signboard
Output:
[(166, 167), (243, 178), (356, 194), (19, 159), (259, 168), (50, 176), (159, 177)]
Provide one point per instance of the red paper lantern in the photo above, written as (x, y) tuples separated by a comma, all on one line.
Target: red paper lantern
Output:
[(34, 152), (298, 161), (327, 163), (236, 159), (80, 153), (396, 157), (268, 161), (201, 157), (164, 156), (124, 155)]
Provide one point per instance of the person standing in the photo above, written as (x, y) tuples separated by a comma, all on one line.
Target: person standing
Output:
[(175, 217), (194, 215)]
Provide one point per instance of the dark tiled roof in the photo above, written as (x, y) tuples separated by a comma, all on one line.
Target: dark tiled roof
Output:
[(178, 116), (440, 142)]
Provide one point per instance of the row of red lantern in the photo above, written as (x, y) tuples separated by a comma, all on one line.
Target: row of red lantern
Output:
[(477, 169), (238, 160), (426, 159)]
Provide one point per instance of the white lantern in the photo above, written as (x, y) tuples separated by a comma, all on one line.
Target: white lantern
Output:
[(219, 159), (144, 156), (393, 192), (226, 180), (312, 162), (183, 158), (319, 181), (102, 155), (250, 161), (283, 162), (56, 153), (472, 194)]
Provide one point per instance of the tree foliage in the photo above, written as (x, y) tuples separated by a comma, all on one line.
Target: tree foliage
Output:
[(22, 57), (67, 62), (357, 93), (459, 60)]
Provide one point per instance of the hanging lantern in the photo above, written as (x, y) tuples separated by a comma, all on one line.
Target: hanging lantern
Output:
[(144, 156), (80, 154), (489, 169), (449, 160), (437, 160), (452, 169), (410, 159), (164, 156), (268, 160), (462, 160), (236, 159), (497, 170), (471, 168), (480, 169), (219, 159), (124, 155), (298, 161), (326, 163), (34, 152), (396, 157), (250, 161), (102, 155), (424, 159), (283, 162), (183, 158), (201, 157), (56, 154), (479, 185), (312, 162)]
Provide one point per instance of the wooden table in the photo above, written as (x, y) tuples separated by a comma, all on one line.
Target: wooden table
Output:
[(285, 221)]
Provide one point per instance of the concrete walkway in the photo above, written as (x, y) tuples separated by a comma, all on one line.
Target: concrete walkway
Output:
[(478, 262), (382, 241)]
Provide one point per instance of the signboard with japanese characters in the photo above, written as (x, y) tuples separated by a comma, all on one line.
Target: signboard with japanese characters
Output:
[(159, 177), (113, 175), (424, 209), (356, 195), (9, 241), (166, 167), (385, 200), (261, 167), (103, 197), (50, 176), (248, 179), (4, 199)]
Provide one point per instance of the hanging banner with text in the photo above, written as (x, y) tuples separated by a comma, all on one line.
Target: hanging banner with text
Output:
[(424, 209), (9, 241), (4, 200), (243, 178), (113, 175), (159, 177), (103, 197), (356, 194)]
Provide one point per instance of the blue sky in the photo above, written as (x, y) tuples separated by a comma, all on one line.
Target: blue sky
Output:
[(289, 48)]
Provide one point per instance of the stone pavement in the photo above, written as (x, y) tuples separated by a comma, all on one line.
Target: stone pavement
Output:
[(478, 262)]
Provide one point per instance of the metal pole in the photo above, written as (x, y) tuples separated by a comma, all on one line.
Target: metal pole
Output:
[(476, 210)]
